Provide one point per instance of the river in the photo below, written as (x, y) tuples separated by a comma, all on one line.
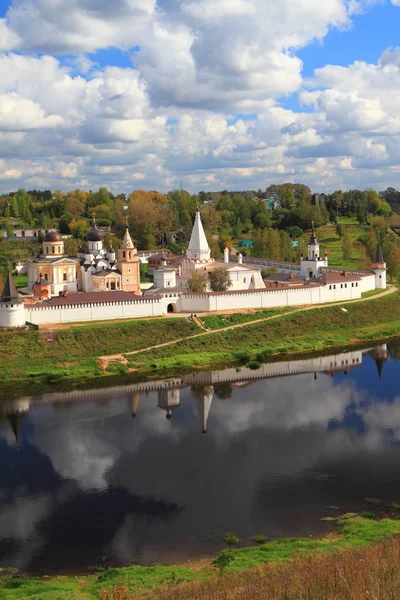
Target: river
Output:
[(159, 471)]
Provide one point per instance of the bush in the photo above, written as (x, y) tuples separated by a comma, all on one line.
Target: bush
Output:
[(231, 538), (254, 365), (260, 539)]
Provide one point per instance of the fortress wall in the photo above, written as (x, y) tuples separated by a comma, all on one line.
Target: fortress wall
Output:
[(305, 295), (94, 312)]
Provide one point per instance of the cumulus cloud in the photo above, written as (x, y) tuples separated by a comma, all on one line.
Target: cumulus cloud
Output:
[(177, 113)]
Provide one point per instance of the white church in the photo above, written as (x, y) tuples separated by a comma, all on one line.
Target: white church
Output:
[(96, 285)]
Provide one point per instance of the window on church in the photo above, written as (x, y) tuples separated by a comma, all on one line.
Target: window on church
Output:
[(124, 254), (345, 285), (46, 277), (244, 279), (59, 249), (330, 287), (65, 276), (341, 286), (53, 250)]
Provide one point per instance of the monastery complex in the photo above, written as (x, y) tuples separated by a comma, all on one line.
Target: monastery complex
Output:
[(100, 284)]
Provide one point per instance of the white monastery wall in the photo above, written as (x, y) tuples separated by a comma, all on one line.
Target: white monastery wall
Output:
[(94, 312), (317, 294)]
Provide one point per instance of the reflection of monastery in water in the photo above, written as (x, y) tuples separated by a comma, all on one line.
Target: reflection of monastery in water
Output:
[(204, 386)]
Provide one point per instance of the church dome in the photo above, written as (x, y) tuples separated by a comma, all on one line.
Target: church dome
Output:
[(52, 236), (95, 235)]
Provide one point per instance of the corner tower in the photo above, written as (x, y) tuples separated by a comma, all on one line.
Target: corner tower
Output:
[(128, 265), (379, 268), (12, 310)]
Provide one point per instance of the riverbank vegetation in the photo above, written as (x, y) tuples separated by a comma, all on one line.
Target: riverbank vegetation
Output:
[(41, 359), (52, 355), (302, 331), (362, 553)]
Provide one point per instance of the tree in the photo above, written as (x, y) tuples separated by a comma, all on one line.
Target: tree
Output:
[(79, 228), (339, 230), (392, 257), (364, 262), (347, 247), (198, 282), (220, 280)]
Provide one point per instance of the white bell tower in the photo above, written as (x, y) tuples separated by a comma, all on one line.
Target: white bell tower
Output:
[(310, 266)]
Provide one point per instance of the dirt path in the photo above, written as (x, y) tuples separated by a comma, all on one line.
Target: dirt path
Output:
[(105, 360)]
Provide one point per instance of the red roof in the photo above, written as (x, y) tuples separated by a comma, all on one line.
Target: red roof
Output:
[(91, 298)]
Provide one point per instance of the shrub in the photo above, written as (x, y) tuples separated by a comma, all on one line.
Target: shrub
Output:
[(231, 538), (260, 539), (254, 365)]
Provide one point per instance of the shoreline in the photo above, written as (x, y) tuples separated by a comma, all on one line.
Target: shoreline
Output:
[(288, 336), (353, 533)]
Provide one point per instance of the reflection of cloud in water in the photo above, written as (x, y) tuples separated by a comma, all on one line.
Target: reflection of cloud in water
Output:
[(269, 441)]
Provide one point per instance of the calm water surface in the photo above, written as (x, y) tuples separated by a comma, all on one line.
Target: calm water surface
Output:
[(158, 472)]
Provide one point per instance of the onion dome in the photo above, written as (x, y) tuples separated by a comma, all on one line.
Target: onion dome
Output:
[(95, 235), (52, 236)]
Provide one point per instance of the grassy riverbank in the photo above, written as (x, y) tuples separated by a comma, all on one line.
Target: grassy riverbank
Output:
[(282, 565), (49, 356), (42, 360), (304, 331)]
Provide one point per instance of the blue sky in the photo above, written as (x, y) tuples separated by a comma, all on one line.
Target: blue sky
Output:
[(211, 96)]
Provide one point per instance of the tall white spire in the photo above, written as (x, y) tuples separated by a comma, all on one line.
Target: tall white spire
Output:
[(198, 246)]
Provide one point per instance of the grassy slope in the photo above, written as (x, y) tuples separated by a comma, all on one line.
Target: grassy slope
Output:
[(354, 533), (304, 331), (220, 321), (72, 352), (331, 244)]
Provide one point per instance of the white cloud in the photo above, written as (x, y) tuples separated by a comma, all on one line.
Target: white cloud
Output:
[(177, 113)]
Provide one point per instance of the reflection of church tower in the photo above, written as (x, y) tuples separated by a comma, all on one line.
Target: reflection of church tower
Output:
[(16, 421), (168, 400), (135, 404), (128, 265), (204, 405), (380, 354)]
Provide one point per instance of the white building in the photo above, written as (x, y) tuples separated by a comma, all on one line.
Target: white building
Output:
[(170, 293)]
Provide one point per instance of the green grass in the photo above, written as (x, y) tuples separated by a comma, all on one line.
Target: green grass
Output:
[(331, 244), (355, 532), (21, 281), (370, 293), (73, 352), (219, 321), (312, 330)]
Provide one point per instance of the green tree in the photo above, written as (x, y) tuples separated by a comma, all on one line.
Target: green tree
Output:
[(347, 247), (198, 282), (339, 230), (220, 280), (79, 228)]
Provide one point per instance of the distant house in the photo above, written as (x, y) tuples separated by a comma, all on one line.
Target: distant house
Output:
[(246, 243), (24, 233), (272, 200), (318, 199), (173, 235)]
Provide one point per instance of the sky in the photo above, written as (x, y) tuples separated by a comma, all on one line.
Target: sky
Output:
[(218, 94)]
